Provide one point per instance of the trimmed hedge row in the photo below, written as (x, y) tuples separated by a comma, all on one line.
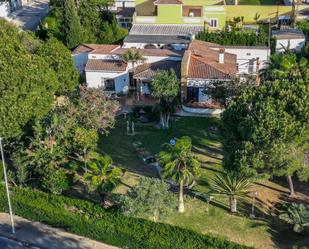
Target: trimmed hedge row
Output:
[(109, 226)]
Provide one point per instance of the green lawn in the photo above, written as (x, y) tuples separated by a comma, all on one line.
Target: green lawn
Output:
[(263, 233)]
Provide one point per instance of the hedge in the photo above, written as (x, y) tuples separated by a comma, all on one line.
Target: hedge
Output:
[(109, 226)]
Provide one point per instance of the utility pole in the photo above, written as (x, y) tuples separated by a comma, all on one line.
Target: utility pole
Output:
[(7, 187)]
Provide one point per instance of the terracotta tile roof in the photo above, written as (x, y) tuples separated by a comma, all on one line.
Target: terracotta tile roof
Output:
[(204, 63), (148, 70), (152, 52), (106, 65), (95, 48), (168, 2)]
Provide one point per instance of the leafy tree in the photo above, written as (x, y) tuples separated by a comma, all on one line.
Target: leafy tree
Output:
[(232, 184), (298, 216), (60, 60), (149, 198), (94, 23), (101, 176), (166, 88), (223, 92), (265, 130), (93, 109), (71, 28), (27, 83), (180, 165), (134, 57)]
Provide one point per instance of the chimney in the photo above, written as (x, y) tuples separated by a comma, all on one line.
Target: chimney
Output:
[(221, 55)]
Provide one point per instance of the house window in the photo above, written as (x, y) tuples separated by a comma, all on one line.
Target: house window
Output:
[(213, 23), (108, 84)]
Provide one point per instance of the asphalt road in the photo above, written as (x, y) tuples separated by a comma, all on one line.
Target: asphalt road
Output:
[(10, 244), (29, 17)]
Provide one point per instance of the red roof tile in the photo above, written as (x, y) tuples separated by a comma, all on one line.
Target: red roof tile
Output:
[(106, 66), (204, 62), (95, 48), (148, 70)]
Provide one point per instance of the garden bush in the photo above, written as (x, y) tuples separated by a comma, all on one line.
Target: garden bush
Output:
[(91, 220), (235, 38)]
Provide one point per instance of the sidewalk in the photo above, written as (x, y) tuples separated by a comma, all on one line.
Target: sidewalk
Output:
[(36, 234)]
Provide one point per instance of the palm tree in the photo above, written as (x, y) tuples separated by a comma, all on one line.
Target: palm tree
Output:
[(180, 165), (287, 66), (134, 57), (231, 184), (101, 177), (298, 216)]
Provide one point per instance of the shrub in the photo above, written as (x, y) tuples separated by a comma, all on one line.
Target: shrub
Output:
[(109, 226), (237, 38)]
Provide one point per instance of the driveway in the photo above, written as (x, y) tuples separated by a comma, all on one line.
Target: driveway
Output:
[(29, 17)]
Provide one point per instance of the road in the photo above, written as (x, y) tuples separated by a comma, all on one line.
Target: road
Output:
[(10, 244), (42, 236), (29, 17)]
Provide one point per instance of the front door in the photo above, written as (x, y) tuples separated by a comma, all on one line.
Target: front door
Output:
[(192, 94)]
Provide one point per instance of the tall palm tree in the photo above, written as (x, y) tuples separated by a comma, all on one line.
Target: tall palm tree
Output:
[(298, 216), (180, 165), (231, 184), (101, 177), (134, 57)]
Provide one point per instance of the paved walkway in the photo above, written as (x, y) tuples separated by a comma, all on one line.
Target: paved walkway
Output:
[(29, 17), (37, 235)]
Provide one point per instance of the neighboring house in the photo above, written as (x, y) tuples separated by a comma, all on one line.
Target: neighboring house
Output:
[(202, 65), (124, 16), (209, 14), (293, 39)]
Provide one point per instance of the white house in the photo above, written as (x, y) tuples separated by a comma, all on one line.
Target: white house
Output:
[(103, 66), (293, 39)]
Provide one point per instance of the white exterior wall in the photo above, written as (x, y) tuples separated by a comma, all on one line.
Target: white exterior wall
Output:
[(244, 55), (94, 79), (80, 61), (4, 9), (293, 44)]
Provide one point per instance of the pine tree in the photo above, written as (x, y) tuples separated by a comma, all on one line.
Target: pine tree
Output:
[(72, 30)]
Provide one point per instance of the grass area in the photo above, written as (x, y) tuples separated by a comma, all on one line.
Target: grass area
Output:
[(265, 232)]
